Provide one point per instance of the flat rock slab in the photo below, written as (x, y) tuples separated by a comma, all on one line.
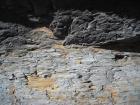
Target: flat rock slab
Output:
[(75, 75), (46, 72)]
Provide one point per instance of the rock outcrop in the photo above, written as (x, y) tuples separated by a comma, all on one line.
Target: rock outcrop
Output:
[(12, 35), (60, 75), (37, 69), (95, 28)]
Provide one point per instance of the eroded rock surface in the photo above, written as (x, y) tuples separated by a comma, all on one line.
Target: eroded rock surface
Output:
[(75, 26), (36, 69), (97, 28), (12, 36), (48, 73)]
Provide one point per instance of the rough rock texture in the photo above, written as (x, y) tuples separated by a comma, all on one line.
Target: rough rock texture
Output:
[(10, 29), (61, 23), (87, 27), (12, 35), (76, 27), (36, 69), (68, 75)]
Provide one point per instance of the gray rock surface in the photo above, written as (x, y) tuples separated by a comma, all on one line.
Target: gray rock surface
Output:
[(98, 28), (61, 23), (39, 74), (10, 30)]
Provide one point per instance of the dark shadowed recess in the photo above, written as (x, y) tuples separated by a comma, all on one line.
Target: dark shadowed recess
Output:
[(17, 10), (22, 12), (26, 18), (36, 13), (129, 45)]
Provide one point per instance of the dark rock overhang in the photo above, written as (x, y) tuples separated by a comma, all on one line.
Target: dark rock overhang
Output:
[(96, 28)]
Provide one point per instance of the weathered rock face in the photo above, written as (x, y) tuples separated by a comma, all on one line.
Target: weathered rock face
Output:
[(82, 27), (12, 35), (40, 70), (61, 23), (10, 29), (60, 75), (98, 28), (36, 69)]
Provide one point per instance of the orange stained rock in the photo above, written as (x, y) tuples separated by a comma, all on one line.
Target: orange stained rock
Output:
[(113, 92), (96, 50), (62, 48), (40, 83), (78, 61), (102, 99), (12, 90), (48, 85), (45, 29), (114, 95), (59, 46)]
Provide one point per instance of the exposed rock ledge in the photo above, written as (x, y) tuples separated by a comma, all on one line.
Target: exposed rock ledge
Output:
[(47, 73), (77, 27), (36, 69), (94, 28)]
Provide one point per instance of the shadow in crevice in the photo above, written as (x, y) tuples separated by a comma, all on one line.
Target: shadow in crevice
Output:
[(129, 45), (18, 11), (25, 18)]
